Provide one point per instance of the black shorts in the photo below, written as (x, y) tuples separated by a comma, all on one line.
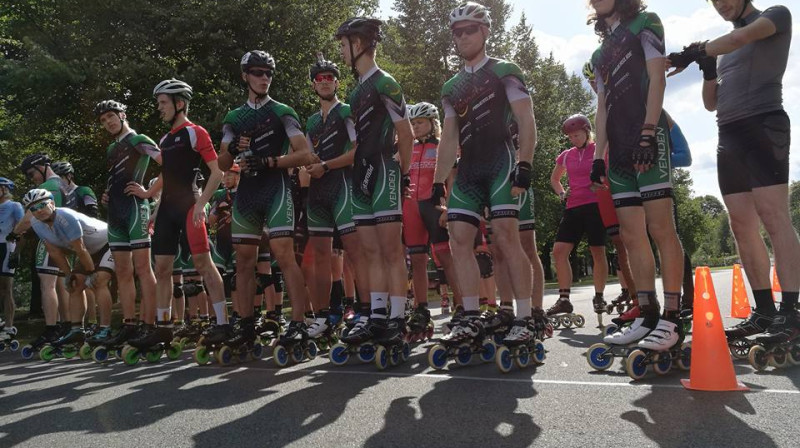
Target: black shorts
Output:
[(754, 152), (172, 221), (579, 220)]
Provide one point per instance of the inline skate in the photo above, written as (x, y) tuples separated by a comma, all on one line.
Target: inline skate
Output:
[(8, 339), (779, 347), (359, 341), (420, 325), (151, 343), (523, 343), (294, 346), (242, 346), (466, 339), (67, 346), (561, 315)]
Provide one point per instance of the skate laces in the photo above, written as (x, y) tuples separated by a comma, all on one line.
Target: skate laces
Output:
[(519, 331), (662, 332)]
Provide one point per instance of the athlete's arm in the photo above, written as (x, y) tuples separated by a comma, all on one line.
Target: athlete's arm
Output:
[(300, 154), (59, 258), (448, 144), (83, 255), (655, 93), (526, 122), (24, 224), (214, 178), (600, 118), (710, 95), (225, 159), (405, 143), (555, 178), (761, 28)]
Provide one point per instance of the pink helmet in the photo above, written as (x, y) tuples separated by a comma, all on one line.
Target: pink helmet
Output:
[(576, 122)]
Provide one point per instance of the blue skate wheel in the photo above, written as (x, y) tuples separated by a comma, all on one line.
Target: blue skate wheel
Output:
[(396, 355), (685, 360), (635, 364), (100, 354), (539, 353), (489, 349), (2, 347), (437, 357), (280, 355), (14, 345), (503, 359), (27, 352), (663, 364), (600, 356), (406, 352), (312, 350), (224, 355), (366, 352), (339, 354), (522, 356), (463, 354), (381, 357), (258, 350), (610, 329), (297, 353)]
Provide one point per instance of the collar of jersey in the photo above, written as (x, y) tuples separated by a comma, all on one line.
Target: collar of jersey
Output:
[(257, 106), (335, 102), (747, 20), (615, 25), (477, 66), (121, 137), (368, 74), (175, 131)]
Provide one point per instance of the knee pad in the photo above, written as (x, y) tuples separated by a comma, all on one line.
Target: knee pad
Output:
[(263, 281), (177, 290), (232, 280), (192, 288), (485, 264)]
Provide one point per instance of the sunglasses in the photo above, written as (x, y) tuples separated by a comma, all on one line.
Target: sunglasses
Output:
[(37, 207), (323, 77), (260, 73), (468, 30)]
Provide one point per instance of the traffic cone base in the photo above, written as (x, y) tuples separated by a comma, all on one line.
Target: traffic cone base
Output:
[(711, 366)]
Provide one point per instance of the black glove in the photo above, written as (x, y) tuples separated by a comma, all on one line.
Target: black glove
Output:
[(598, 170), (12, 237), (438, 194), (521, 175), (406, 181), (692, 53), (13, 260), (256, 163), (233, 147), (708, 65), (645, 153)]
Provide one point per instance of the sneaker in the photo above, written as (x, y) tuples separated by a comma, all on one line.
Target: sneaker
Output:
[(663, 337), (628, 335)]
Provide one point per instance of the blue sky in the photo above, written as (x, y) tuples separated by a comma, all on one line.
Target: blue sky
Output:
[(560, 27)]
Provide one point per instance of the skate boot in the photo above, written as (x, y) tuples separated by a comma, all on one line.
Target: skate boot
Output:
[(294, 346), (420, 325), (599, 305), (561, 315), (50, 334), (114, 343), (212, 339), (66, 346), (242, 346), (779, 346), (497, 325), (391, 347), (271, 327), (188, 333), (466, 339), (8, 339), (324, 331), (662, 348), (359, 341), (151, 344), (102, 334), (737, 335), (623, 320), (522, 345)]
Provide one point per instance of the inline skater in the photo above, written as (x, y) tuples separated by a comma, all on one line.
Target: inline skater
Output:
[(79, 198), (11, 213)]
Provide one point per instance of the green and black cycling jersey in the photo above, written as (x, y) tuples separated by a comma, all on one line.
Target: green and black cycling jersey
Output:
[(127, 161), (377, 102), (83, 200), (329, 139)]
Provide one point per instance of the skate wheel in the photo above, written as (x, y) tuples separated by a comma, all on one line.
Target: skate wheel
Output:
[(85, 352), (635, 364), (778, 359), (620, 309), (281, 356), (201, 355), (154, 356), (566, 321), (47, 353), (27, 352), (556, 322), (540, 353), (503, 359), (174, 351), (396, 355), (130, 355), (406, 351), (339, 354), (312, 350), (297, 353), (437, 357), (2, 347), (99, 354), (14, 345), (739, 348), (758, 357), (488, 350), (200, 341), (600, 356), (381, 357), (610, 329), (224, 355), (663, 363), (366, 352), (69, 352), (579, 321), (522, 356), (183, 342), (258, 350), (463, 354), (685, 360)]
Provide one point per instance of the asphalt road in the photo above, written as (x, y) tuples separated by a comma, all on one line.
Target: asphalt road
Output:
[(562, 403)]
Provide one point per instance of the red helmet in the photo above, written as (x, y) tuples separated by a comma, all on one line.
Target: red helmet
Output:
[(235, 168), (576, 122)]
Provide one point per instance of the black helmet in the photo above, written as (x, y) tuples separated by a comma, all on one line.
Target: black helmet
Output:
[(257, 58), (321, 66), (109, 105), (33, 160), (369, 29)]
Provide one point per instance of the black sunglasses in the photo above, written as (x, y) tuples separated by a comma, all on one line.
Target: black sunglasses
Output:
[(468, 30), (260, 73)]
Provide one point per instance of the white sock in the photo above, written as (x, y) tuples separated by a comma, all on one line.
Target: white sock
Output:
[(398, 306), (163, 314), (471, 303), (523, 308), (379, 300), (221, 312)]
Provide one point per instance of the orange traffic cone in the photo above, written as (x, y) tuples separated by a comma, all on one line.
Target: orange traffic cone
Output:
[(740, 306), (711, 368)]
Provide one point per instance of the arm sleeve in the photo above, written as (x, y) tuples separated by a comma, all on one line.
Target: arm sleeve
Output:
[(598, 83), (292, 125), (561, 160), (780, 17), (72, 227), (146, 149), (201, 142), (449, 110), (310, 143), (351, 128), (515, 89), (652, 42), (17, 213), (227, 133), (393, 99)]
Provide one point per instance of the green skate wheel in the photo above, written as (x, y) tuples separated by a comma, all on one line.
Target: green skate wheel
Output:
[(522, 356), (437, 357), (69, 352), (503, 359), (224, 355), (174, 351), (47, 353), (280, 356), (154, 356), (201, 356), (635, 364), (758, 357), (100, 354), (338, 354), (600, 356), (130, 355), (685, 360), (381, 357), (663, 363), (539, 353), (85, 352), (489, 350)]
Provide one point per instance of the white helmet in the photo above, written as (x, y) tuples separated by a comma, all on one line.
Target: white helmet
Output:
[(471, 12), (423, 110), (34, 196), (173, 87)]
